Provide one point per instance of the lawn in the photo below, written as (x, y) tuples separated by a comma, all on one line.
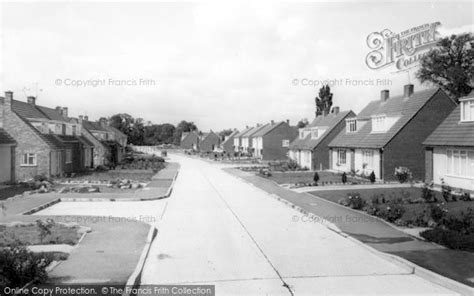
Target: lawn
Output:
[(412, 210), (30, 234), (307, 177)]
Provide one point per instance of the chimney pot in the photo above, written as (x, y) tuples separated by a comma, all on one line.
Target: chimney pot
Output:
[(272, 122), (408, 90), (335, 110), (384, 95), (288, 121), (65, 112), (31, 100)]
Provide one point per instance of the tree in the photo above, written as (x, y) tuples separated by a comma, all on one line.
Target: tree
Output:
[(225, 133), (181, 128), (323, 100), (302, 123), (450, 65)]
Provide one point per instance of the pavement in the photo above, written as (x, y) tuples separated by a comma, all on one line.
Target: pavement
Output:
[(217, 229), (375, 232)]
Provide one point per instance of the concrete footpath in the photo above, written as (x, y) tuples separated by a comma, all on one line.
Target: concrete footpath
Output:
[(456, 265), (219, 230)]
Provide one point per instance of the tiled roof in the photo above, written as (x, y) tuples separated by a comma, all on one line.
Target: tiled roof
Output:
[(266, 129), (5, 138), (26, 110), (53, 141), (330, 121), (52, 114), (405, 108), (117, 131), (93, 126), (452, 132), (252, 131), (230, 137), (243, 132)]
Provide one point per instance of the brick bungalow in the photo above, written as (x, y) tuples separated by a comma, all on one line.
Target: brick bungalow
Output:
[(272, 141), (7, 154), (389, 133), (39, 150), (228, 144), (190, 140), (247, 148), (209, 142), (238, 140), (450, 148), (310, 149)]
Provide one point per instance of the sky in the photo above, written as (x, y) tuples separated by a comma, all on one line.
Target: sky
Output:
[(221, 66)]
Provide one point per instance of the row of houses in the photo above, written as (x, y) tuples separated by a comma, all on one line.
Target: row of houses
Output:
[(424, 131), (38, 140)]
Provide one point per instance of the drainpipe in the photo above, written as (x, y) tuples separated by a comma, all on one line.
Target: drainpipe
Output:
[(381, 165)]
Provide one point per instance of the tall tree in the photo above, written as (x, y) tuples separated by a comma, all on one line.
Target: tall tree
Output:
[(450, 65), (302, 123), (323, 100), (183, 127)]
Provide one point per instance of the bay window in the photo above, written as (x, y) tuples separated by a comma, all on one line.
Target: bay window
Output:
[(460, 163)]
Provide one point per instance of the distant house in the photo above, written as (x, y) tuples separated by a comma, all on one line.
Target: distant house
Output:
[(238, 140), (389, 133), (7, 155), (97, 135), (310, 149), (272, 141), (450, 148), (247, 139), (190, 141), (228, 144), (209, 142)]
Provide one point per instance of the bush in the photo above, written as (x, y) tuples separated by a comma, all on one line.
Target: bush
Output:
[(344, 178), (427, 193), (18, 266), (446, 191), (354, 201), (391, 211), (450, 238), (372, 177), (316, 177), (403, 174), (437, 212)]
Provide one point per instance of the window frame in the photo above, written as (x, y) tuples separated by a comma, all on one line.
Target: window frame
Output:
[(341, 152), (27, 156), (469, 104), (460, 163)]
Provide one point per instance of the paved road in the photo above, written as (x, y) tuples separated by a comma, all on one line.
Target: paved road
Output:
[(217, 229)]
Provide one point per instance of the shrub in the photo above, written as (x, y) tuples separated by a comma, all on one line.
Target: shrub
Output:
[(446, 191), (403, 174), (391, 211), (427, 193), (450, 238), (372, 177), (18, 266), (437, 212), (40, 178), (292, 165), (344, 178), (316, 177), (354, 201)]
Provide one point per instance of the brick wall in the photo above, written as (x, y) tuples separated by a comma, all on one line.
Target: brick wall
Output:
[(189, 141), (273, 142), (209, 143), (28, 142), (406, 148)]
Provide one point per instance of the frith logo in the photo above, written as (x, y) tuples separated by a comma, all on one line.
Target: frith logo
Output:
[(404, 50)]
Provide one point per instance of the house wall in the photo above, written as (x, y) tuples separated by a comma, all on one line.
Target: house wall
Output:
[(236, 144), (406, 149), (210, 143), (321, 153), (28, 141), (191, 141), (98, 152), (228, 146), (440, 171), (342, 167), (5, 163), (57, 162), (367, 170), (257, 144), (273, 142)]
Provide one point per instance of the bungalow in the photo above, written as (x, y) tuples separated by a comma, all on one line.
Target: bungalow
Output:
[(389, 133), (238, 140), (227, 145), (7, 155), (97, 135), (109, 138), (272, 141), (310, 149), (247, 139), (450, 148), (190, 140), (209, 142)]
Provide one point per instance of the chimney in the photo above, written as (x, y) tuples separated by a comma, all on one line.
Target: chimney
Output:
[(59, 109), (31, 100), (408, 90), (103, 121), (86, 118), (8, 99), (288, 121), (272, 122), (384, 95), (335, 110), (65, 112), (325, 112), (81, 118)]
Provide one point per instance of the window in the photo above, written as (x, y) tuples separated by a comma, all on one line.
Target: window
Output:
[(341, 157), (314, 133), (68, 155), (28, 159), (378, 123), (467, 110), (286, 143), (460, 163), (74, 130), (302, 134), (351, 125), (368, 158)]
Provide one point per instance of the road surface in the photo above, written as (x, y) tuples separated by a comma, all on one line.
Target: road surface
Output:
[(217, 229)]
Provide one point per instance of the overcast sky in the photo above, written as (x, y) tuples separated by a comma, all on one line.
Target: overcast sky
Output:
[(221, 66)]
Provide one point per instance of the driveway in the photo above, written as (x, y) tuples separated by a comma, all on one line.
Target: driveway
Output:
[(217, 229)]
